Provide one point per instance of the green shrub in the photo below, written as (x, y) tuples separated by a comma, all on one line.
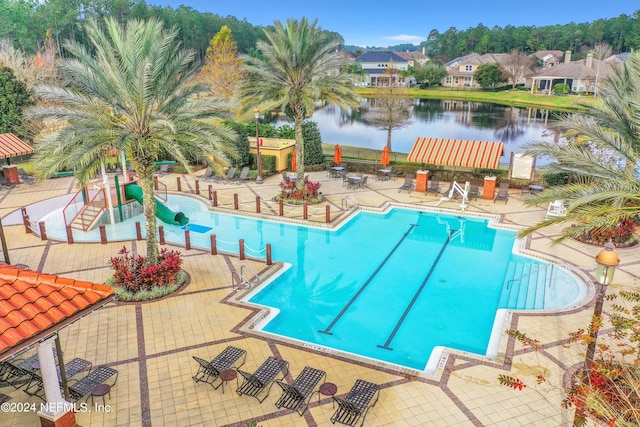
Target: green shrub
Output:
[(555, 179), (561, 89)]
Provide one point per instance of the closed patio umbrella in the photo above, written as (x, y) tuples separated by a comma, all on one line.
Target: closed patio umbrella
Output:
[(384, 159), (294, 163), (337, 156)]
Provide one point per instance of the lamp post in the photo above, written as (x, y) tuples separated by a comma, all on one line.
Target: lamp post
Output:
[(607, 261), (259, 180)]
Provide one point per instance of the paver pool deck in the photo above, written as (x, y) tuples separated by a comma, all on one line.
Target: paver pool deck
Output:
[(152, 344)]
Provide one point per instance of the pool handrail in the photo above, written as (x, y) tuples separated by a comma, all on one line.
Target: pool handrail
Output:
[(243, 281)]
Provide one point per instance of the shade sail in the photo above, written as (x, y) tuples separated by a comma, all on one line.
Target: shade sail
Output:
[(11, 146), (457, 152)]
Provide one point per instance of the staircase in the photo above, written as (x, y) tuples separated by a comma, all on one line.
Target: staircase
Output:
[(525, 285), (88, 216)]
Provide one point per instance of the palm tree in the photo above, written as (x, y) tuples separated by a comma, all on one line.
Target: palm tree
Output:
[(299, 65), (132, 91), (602, 160)]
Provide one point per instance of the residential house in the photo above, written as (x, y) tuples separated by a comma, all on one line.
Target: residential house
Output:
[(460, 70), (581, 76), (548, 58), (415, 58), (385, 69)]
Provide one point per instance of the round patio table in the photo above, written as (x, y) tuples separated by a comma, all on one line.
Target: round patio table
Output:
[(226, 376), (328, 389)]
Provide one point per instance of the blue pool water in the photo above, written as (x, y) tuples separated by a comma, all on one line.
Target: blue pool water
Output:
[(390, 286)]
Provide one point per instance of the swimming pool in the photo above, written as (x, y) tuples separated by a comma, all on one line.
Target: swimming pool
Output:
[(389, 286)]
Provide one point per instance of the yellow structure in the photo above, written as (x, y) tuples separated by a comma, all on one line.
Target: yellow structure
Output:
[(278, 147)]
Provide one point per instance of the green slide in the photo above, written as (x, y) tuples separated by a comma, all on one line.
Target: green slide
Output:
[(132, 191)]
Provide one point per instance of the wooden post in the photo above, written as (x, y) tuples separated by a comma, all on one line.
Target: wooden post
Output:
[(269, 261), (103, 234), (210, 191), (257, 204), (161, 234), (235, 201), (197, 187), (25, 220), (43, 231), (69, 235), (241, 244), (305, 210), (327, 213), (138, 231), (179, 184), (281, 207), (214, 248), (187, 239), (214, 200), (155, 182)]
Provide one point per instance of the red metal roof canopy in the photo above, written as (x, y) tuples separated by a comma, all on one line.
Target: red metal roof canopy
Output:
[(12, 146), (34, 306), (457, 152)]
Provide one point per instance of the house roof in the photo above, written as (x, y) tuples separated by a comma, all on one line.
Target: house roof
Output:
[(381, 57), (412, 56), (576, 70), (541, 54), (34, 306), (456, 152), (11, 146)]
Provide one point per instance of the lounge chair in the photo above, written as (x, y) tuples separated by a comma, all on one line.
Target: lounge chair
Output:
[(98, 376), (209, 372), (164, 169), (474, 191), (285, 177), (354, 407), (556, 208), (24, 177), (363, 182), (408, 183), (244, 175), (503, 193), (72, 368), (262, 379), (297, 395), (231, 173), (434, 186), (208, 174), (18, 372)]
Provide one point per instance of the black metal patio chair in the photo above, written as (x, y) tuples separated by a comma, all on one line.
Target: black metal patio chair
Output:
[(434, 186), (354, 406), (297, 395), (209, 372), (408, 183), (261, 381), (503, 193)]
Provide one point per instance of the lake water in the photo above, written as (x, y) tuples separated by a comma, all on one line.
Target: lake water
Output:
[(439, 119)]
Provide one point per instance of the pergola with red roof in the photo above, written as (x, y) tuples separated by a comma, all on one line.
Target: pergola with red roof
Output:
[(33, 308)]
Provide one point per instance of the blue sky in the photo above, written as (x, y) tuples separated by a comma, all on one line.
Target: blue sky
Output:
[(383, 23)]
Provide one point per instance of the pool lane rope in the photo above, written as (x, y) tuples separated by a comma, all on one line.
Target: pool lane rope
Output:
[(327, 330), (417, 294)]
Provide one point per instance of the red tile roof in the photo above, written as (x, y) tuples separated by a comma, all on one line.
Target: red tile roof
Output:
[(456, 152), (34, 305), (11, 146)]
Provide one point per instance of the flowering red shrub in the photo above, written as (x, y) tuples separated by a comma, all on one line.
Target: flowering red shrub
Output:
[(619, 234), (309, 192), (133, 275)]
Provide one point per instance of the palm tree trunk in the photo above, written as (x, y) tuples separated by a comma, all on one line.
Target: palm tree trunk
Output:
[(298, 118), (149, 210), (389, 138)]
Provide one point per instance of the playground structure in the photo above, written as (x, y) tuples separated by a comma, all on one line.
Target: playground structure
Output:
[(100, 202)]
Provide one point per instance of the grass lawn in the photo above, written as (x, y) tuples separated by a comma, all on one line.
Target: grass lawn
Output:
[(515, 98)]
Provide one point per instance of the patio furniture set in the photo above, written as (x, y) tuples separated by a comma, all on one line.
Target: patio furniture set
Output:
[(25, 373), (295, 396)]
